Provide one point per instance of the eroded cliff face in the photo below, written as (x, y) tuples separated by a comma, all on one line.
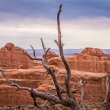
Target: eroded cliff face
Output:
[(37, 77), (14, 57), (90, 59), (25, 77)]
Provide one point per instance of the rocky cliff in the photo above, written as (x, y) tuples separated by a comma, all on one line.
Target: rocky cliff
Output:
[(38, 78), (90, 59), (14, 57), (93, 60), (93, 52)]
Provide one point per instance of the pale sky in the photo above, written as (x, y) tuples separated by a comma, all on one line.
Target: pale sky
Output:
[(84, 23)]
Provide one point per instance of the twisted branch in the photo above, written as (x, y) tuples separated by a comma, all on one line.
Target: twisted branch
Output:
[(51, 71)]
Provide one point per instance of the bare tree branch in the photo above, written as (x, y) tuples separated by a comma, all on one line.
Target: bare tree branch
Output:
[(49, 70), (44, 48), (107, 97), (52, 73), (33, 58), (47, 52), (34, 52), (56, 42), (68, 75), (58, 24)]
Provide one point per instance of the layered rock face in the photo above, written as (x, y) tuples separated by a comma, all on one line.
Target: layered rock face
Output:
[(38, 78), (93, 52), (90, 59), (14, 57), (25, 77)]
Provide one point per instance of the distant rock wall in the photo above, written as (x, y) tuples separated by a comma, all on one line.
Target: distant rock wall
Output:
[(90, 59), (93, 52)]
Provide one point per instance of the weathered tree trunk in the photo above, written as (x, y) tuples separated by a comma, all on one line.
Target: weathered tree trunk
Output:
[(82, 84), (107, 98)]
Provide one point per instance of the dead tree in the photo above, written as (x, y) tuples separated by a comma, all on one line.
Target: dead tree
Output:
[(107, 97), (67, 100)]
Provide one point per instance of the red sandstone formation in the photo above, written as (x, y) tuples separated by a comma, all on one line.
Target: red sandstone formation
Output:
[(39, 79), (90, 59), (93, 52), (51, 54), (14, 57)]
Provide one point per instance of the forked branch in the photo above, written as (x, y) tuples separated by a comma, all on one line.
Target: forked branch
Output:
[(34, 52), (45, 51), (51, 71), (33, 58)]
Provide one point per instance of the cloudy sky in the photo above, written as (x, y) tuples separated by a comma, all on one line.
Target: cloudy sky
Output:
[(84, 23)]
